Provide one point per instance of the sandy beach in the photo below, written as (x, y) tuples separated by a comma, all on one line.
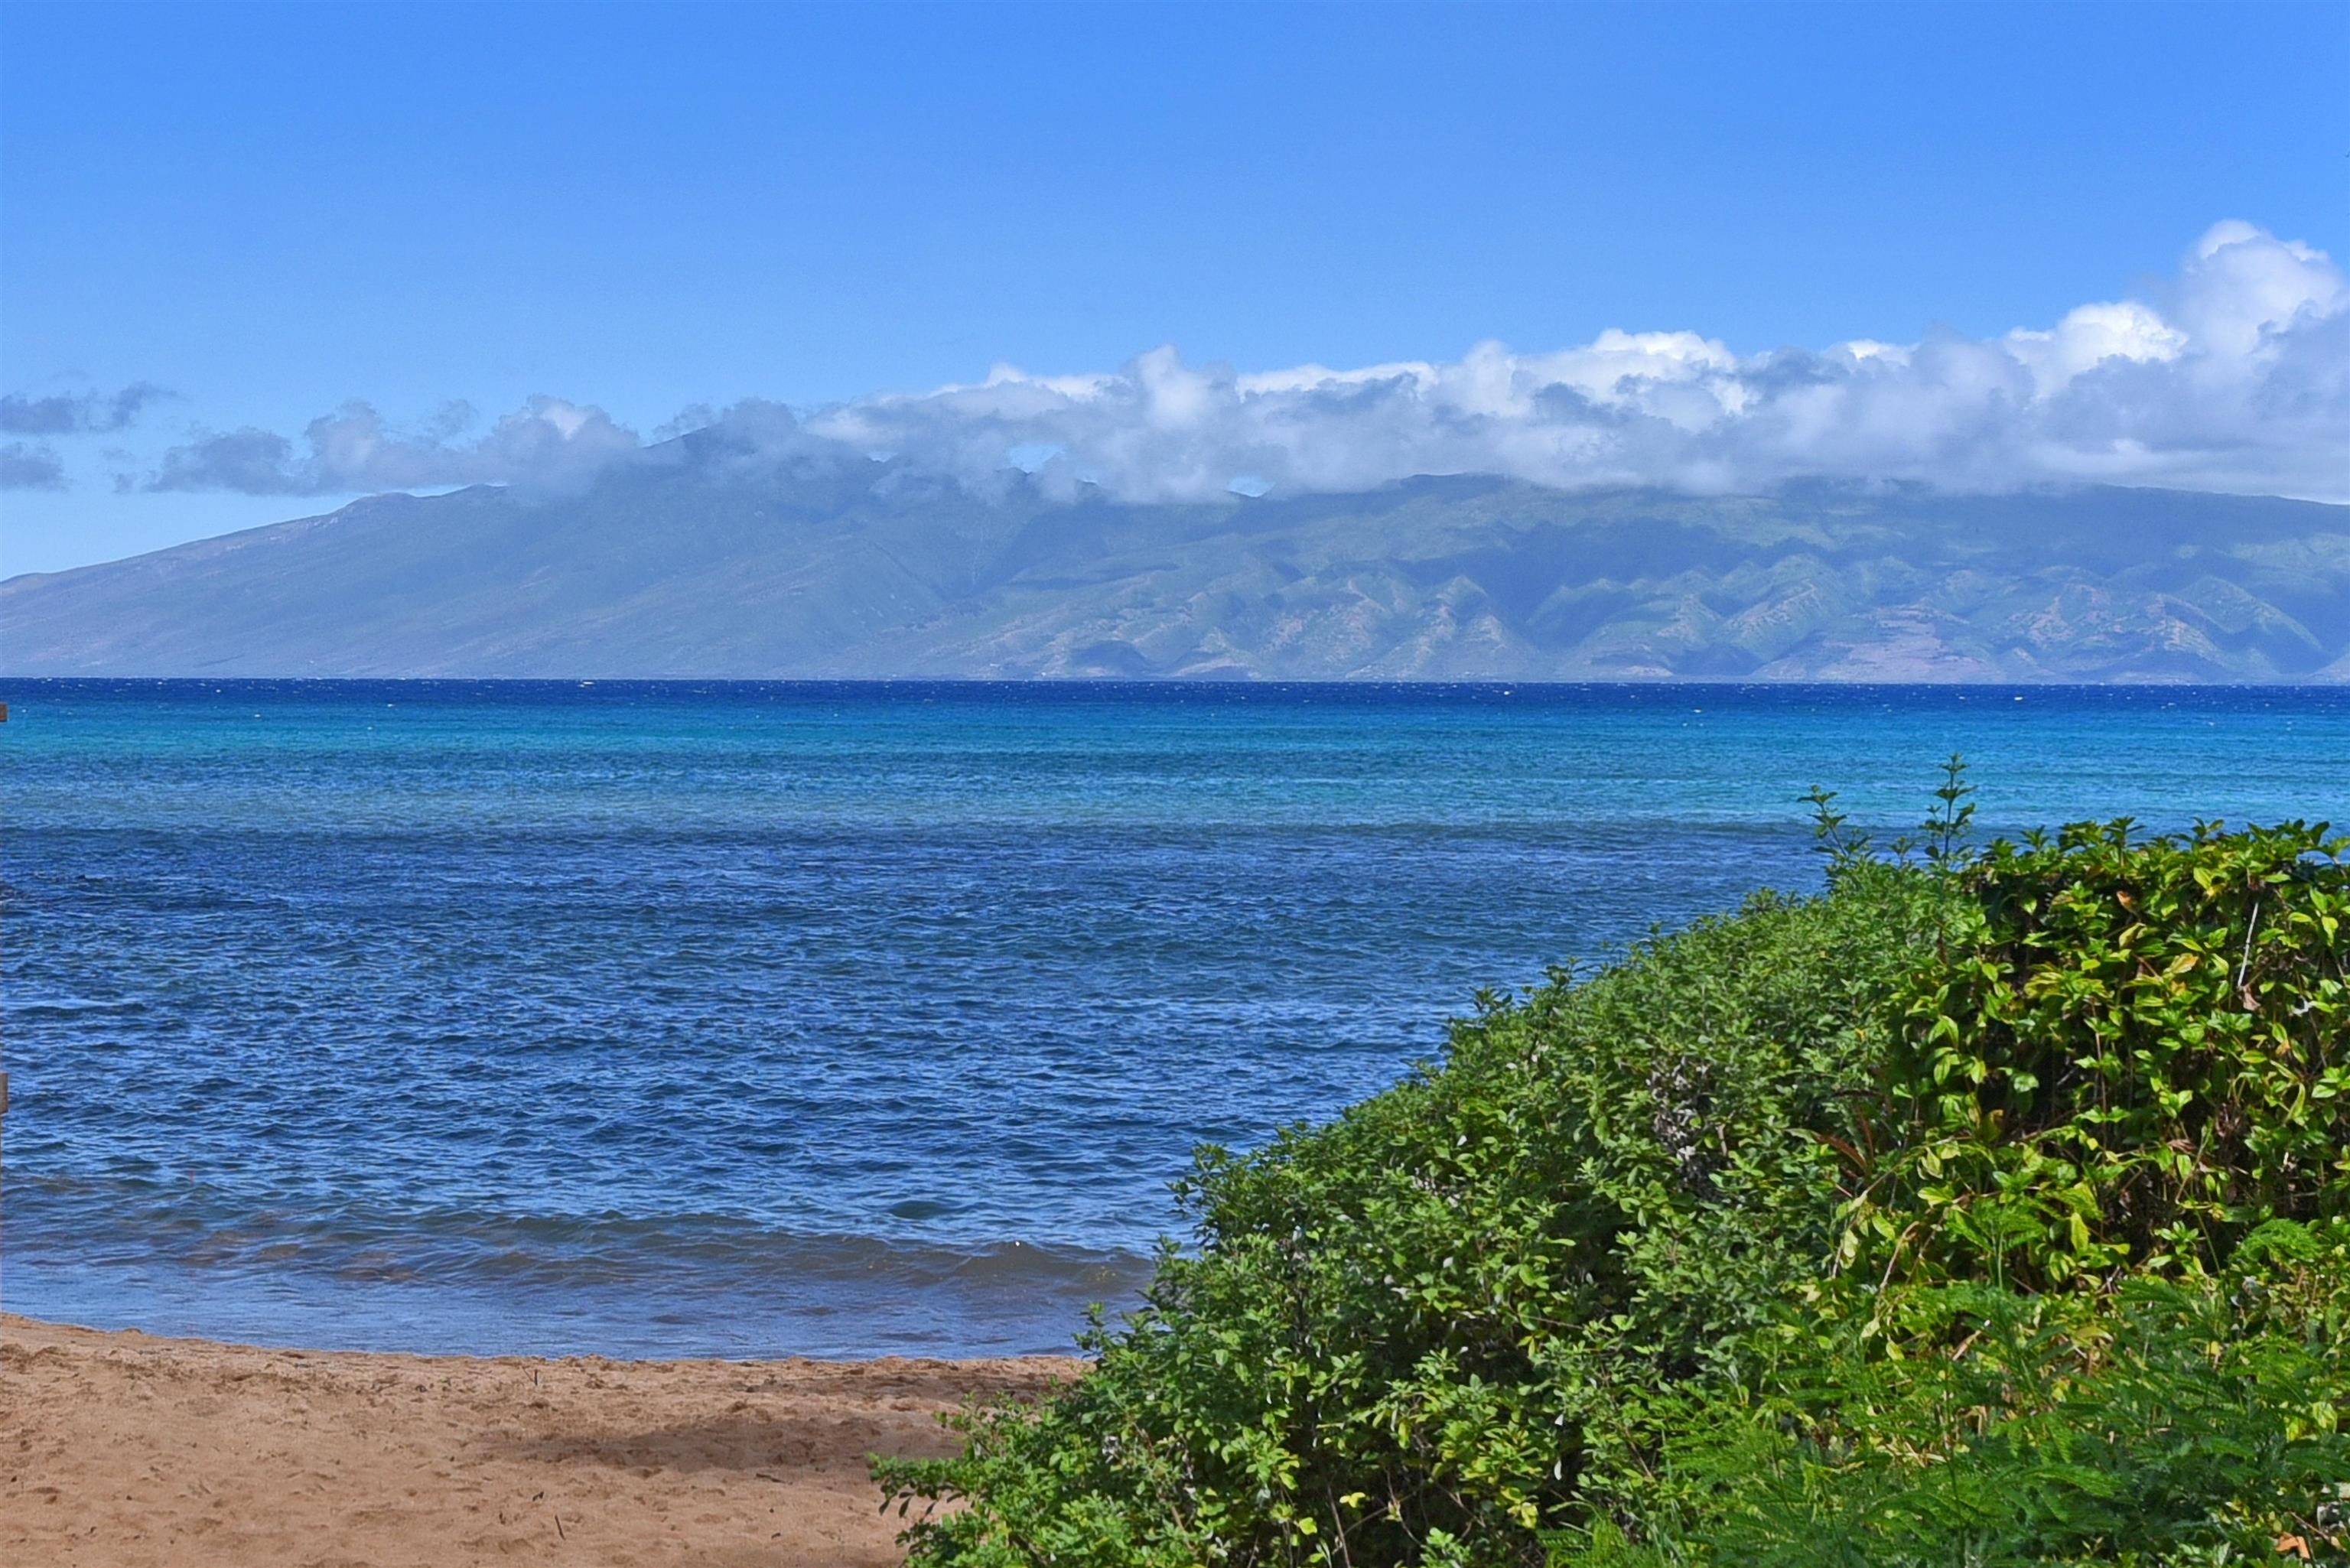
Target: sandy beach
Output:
[(126, 1448)]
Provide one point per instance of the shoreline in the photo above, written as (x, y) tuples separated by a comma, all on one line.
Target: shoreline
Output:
[(119, 1448)]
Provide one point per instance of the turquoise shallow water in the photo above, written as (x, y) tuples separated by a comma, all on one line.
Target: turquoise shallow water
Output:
[(672, 1019)]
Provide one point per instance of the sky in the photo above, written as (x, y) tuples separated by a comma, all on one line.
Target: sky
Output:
[(257, 260)]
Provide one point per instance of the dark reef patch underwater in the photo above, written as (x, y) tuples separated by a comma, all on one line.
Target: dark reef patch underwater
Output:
[(1990, 1208)]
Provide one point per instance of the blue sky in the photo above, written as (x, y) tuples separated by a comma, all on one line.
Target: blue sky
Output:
[(269, 213)]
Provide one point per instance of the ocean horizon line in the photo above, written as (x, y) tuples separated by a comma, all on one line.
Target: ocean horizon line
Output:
[(1500, 685)]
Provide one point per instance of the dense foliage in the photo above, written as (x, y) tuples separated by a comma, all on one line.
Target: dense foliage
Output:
[(2172, 1422), (1990, 1208)]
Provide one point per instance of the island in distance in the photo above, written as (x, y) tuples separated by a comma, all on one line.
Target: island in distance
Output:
[(703, 566)]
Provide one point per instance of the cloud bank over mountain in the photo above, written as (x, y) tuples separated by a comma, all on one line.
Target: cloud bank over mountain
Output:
[(547, 442), (2234, 377)]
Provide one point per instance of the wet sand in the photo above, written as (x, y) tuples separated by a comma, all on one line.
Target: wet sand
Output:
[(124, 1449)]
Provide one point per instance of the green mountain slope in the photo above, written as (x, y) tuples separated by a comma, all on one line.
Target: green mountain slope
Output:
[(702, 565)]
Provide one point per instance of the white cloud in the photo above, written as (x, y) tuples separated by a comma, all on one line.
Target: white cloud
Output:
[(2241, 288), (2235, 381), (547, 442), (30, 465), (2237, 377), (2088, 336), (76, 414)]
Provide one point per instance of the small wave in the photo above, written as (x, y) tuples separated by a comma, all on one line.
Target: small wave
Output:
[(471, 1248), (66, 1009), (541, 1286)]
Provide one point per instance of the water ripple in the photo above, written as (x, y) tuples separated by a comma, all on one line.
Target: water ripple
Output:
[(737, 1019)]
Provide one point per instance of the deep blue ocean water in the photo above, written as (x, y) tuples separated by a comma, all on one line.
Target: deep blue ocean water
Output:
[(746, 1019)]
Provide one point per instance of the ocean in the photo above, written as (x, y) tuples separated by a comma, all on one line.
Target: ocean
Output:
[(750, 1019)]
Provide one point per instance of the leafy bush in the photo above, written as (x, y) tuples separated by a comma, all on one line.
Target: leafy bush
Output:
[(2194, 1422), (1795, 1215), (2129, 1055)]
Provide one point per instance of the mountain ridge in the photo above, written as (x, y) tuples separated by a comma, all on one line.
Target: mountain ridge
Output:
[(707, 564)]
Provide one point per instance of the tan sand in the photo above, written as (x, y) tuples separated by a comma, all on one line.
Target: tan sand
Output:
[(121, 1448)]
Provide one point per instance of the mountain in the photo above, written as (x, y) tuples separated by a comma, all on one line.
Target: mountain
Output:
[(706, 565)]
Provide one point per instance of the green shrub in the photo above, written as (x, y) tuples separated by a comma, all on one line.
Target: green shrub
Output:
[(1778, 1194), (2191, 1422), (2129, 1054)]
